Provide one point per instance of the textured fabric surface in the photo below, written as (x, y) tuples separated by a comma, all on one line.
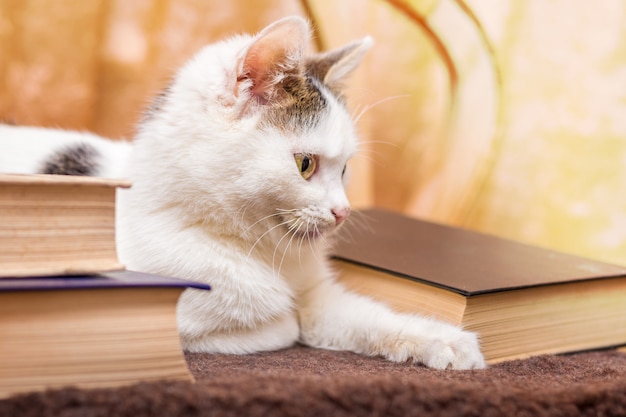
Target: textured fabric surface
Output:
[(309, 382)]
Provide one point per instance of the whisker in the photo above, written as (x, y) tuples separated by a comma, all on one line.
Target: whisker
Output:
[(369, 153), (346, 237), (261, 219), (379, 142), (286, 211), (376, 103), (303, 236), (311, 244), (264, 234), (362, 220), (276, 249), (293, 235), (295, 223), (242, 211), (355, 111), (300, 240), (321, 236), (370, 157)]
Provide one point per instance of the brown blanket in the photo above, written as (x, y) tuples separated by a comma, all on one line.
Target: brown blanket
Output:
[(307, 382)]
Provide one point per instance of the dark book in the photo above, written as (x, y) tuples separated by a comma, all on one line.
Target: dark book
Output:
[(90, 331), (522, 300), (57, 225)]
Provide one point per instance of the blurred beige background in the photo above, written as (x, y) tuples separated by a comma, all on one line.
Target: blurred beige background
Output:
[(504, 116)]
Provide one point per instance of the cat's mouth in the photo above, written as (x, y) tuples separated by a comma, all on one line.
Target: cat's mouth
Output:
[(312, 232), (312, 228)]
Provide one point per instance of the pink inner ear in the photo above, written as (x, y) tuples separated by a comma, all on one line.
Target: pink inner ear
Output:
[(277, 50), (257, 67)]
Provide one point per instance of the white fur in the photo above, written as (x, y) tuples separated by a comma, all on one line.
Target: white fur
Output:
[(212, 198)]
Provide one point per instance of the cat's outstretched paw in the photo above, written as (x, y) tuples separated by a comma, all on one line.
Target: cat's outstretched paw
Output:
[(460, 351), (447, 348)]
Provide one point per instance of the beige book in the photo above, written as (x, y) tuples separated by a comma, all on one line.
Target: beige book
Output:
[(57, 225)]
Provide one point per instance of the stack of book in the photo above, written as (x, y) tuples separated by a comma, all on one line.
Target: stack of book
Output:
[(521, 300), (70, 314)]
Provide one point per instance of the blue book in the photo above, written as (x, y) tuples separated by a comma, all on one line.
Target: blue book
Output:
[(117, 279)]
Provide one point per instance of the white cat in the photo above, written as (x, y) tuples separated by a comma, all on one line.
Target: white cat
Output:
[(237, 174)]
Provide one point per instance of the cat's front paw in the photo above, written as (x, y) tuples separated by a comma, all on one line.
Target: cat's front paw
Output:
[(442, 347), (456, 350)]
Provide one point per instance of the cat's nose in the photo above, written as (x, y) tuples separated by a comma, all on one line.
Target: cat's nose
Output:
[(340, 214)]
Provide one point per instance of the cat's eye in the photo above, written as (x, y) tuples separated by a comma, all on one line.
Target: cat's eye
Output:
[(306, 164)]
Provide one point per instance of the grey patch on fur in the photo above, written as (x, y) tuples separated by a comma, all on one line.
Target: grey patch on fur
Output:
[(301, 106), (156, 105), (318, 69), (77, 159)]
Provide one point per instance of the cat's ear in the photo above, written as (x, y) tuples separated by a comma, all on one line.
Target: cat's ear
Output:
[(333, 67), (275, 52)]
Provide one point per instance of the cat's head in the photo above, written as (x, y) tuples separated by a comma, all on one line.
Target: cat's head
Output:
[(253, 134)]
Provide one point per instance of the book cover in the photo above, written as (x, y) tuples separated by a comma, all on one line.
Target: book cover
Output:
[(115, 279), (458, 259)]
